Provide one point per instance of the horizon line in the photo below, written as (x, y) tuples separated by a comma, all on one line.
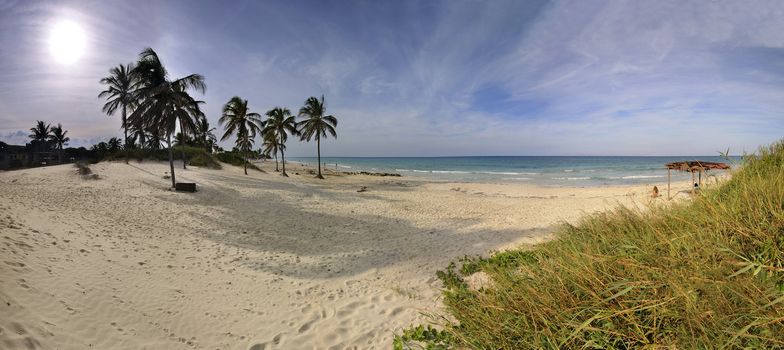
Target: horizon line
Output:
[(510, 156)]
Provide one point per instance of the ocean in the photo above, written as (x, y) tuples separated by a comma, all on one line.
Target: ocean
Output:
[(541, 170)]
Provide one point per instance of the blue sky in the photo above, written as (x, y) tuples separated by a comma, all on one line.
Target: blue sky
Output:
[(429, 78)]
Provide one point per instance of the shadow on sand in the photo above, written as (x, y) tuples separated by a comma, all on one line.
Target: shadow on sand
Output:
[(300, 243)]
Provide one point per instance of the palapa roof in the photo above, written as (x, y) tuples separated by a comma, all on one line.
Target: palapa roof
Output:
[(696, 165)]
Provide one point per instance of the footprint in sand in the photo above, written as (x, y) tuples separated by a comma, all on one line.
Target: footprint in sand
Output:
[(396, 311), (18, 328), (14, 263), (349, 309), (306, 326)]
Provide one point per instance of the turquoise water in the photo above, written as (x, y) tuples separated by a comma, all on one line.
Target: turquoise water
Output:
[(549, 171)]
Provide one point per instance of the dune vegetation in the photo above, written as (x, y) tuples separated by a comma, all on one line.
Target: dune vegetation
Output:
[(702, 273)]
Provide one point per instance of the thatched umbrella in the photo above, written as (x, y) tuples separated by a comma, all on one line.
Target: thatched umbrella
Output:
[(693, 167)]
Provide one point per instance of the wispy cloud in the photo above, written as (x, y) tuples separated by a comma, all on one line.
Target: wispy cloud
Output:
[(434, 78)]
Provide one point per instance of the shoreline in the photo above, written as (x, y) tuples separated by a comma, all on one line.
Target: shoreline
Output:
[(257, 261), (584, 174), (681, 184)]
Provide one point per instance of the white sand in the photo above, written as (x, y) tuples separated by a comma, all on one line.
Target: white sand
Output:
[(248, 262)]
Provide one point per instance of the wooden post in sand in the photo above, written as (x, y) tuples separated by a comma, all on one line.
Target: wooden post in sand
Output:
[(668, 183), (692, 181)]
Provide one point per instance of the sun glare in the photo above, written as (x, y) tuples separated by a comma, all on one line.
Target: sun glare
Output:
[(66, 42)]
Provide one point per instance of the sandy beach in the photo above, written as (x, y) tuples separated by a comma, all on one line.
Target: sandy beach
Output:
[(249, 262)]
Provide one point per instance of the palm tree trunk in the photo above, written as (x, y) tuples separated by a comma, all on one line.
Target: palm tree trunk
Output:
[(318, 153), (276, 161), (125, 126), (182, 132), (142, 138), (283, 163), (171, 161), (125, 131), (283, 160), (182, 150), (246, 162)]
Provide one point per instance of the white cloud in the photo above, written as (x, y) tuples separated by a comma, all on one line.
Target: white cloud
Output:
[(569, 77)]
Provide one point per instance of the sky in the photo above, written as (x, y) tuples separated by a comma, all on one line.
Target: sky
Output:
[(424, 78)]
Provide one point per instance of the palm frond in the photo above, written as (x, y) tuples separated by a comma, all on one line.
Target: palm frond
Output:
[(315, 123)]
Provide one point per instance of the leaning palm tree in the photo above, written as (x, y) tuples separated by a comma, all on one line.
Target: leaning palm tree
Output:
[(205, 135), (316, 124), (120, 93), (271, 145), (237, 119), (165, 104), (280, 123), (60, 139)]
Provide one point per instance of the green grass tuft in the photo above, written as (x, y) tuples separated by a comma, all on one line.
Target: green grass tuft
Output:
[(235, 158), (195, 156), (703, 273)]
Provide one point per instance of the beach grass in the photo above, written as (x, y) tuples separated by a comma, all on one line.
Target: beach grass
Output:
[(235, 158), (196, 156), (701, 273), (82, 168)]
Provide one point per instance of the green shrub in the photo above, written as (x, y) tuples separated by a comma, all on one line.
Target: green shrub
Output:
[(433, 338), (704, 273), (83, 168), (195, 156), (234, 158), (201, 160)]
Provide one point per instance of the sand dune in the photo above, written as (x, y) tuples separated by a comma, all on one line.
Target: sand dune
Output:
[(248, 262)]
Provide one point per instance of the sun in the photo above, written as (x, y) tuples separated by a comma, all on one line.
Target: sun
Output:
[(67, 42)]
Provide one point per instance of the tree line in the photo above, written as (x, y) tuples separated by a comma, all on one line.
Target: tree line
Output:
[(152, 106), (44, 137)]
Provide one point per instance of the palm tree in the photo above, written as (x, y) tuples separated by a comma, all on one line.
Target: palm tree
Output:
[(59, 138), (244, 144), (100, 147), (316, 124), (131, 143), (120, 93), (114, 144), (41, 131), (165, 103), (237, 119), (271, 145), (153, 141), (182, 140), (192, 129), (41, 134), (205, 134), (280, 123)]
